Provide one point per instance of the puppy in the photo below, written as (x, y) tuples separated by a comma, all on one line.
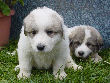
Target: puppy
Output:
[(85, 41), (44, 44)]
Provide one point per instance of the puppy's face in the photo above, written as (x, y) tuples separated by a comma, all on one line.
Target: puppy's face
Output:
[(83, 42), (45, 30)]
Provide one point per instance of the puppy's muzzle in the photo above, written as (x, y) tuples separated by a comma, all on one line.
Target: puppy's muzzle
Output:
[(40, 47)]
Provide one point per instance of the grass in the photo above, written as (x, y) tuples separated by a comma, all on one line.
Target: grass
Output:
[(91, 73)]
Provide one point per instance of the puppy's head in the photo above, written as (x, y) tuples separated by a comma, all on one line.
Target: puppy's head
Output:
[(85, 40), (44, 28)]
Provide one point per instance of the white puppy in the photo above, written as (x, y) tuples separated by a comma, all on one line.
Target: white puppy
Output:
[(43, 44)]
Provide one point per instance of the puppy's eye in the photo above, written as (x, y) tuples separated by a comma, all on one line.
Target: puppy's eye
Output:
[(77, 43), (89, 44), (49, 32), (34, 32), (71, 43)]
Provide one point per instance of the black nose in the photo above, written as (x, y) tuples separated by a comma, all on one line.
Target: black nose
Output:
[(40, 47), (81, 53)]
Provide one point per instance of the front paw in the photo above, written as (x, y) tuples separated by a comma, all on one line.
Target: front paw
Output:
[(77, 67), (23, 75), (96, 60), (61, 75)]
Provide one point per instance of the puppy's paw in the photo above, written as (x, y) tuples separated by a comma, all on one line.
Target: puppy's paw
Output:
[(61, 75), (77, 67), (96, 59), (23, 75), (17, 67)]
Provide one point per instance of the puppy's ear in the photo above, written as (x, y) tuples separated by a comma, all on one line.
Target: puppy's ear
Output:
[(26, 22), (58, 20), (70, 42), (62, 33), (25, 32), (99, 43)]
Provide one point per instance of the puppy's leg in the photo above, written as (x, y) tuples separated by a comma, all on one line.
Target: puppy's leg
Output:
[(96, 58), (58, 68), (24, 63), (71, 64)]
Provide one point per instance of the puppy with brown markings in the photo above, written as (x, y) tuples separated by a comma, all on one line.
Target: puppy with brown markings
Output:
[(85, 41)]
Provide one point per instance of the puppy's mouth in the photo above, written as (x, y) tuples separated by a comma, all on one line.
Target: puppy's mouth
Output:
[(83, 56), (43, 53), (87, 56)]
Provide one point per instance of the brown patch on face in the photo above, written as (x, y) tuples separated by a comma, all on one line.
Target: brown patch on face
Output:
[(95, 42), (76, 38), (91, 44), (57, 26), (31, 33), (29, 25)]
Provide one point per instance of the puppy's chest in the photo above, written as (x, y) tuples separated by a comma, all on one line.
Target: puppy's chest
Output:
[(43, 61)]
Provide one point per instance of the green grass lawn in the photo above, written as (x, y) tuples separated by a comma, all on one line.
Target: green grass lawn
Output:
[(91, 73)]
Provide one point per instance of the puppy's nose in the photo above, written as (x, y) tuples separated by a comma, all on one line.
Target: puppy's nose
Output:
[(81, 53), (40, 47)]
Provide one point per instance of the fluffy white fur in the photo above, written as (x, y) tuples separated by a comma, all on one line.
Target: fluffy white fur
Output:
[(56, 53)]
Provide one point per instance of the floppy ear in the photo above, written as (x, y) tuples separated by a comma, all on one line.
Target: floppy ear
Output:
[(70, 42), (27, 21), (62, 33), (25, 33), (99, 43), (58, 19)]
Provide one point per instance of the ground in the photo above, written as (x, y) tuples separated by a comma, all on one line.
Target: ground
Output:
[(91, 73)]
